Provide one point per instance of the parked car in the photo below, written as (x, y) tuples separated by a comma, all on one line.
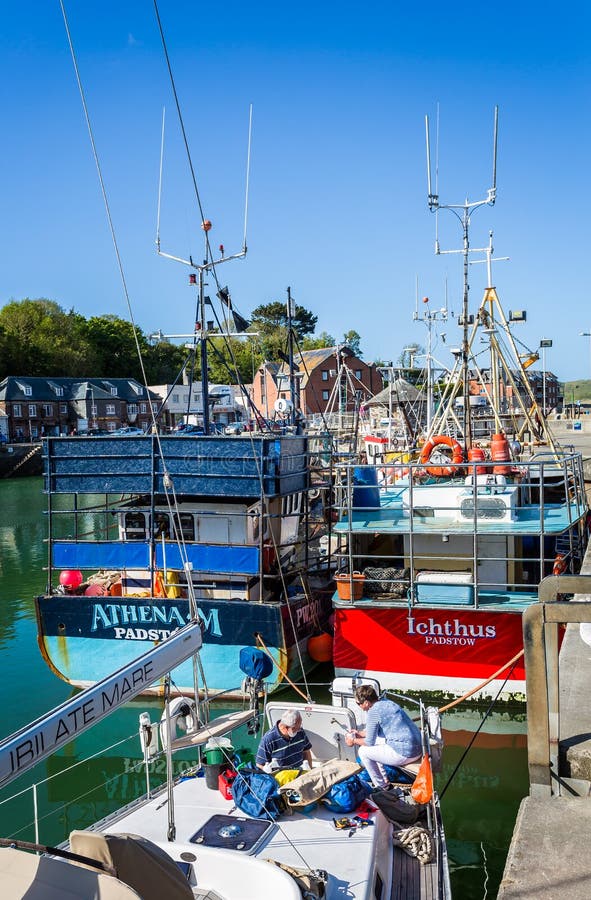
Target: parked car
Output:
[(234, 428), (189, 429), (128, 430)]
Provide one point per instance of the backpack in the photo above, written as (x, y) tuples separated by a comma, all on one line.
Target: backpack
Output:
[(397, 806), (345, 796), (256, 794)]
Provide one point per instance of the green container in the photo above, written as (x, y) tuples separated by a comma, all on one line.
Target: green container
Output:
[(214, 757), (218, 752)]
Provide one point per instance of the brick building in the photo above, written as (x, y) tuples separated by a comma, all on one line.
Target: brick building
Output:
[(330, 379)]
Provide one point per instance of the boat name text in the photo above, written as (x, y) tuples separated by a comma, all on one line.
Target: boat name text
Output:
[(450, 632), (64, 727), (121, 617)]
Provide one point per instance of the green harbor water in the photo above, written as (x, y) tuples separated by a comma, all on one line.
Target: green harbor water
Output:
[(84, 781)]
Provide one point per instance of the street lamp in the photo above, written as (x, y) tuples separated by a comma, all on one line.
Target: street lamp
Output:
[(587, 334), (544, 343)]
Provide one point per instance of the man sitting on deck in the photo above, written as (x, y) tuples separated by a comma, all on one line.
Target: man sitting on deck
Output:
[(286, 745)]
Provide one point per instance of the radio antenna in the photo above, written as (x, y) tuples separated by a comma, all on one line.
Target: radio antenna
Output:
[(463, 211), (247, 175), (160, 180)]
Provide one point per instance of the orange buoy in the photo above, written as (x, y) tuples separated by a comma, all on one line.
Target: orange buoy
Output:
[(476, 454), (320, 647), (500, 453)]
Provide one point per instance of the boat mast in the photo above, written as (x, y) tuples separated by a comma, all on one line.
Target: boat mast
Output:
[(292, 390), (208, 265), (463, 211), (430, 318)]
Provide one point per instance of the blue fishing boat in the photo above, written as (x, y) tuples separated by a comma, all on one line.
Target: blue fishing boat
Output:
[(147, 532)]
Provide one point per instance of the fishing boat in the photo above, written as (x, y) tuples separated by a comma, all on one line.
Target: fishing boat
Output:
[(146, 532), (193, 837), (441, 555)]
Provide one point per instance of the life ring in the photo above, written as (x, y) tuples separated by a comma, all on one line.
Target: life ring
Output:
[(457, 456), (559, 566)]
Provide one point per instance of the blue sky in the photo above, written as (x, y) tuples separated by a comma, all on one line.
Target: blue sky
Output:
[(337, 204)]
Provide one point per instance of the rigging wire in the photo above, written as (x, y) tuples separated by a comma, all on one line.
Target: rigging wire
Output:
[(477, 732)]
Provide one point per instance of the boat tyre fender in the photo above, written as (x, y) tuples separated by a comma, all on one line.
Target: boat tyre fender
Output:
[(442, 471)]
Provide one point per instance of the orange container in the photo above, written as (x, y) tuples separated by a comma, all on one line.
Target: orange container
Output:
[(476, 454), (345, 582), (500, 453)]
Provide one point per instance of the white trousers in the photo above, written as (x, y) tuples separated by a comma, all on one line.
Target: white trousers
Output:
[(373, 758)]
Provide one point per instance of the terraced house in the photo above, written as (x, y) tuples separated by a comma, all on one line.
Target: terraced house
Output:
[(31, 408)]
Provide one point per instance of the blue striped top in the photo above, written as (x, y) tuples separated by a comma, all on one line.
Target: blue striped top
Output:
[(387, 719), (289, 752)]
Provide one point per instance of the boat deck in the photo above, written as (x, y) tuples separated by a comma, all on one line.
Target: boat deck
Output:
[(393, 516), (302, 840), (494, 601)]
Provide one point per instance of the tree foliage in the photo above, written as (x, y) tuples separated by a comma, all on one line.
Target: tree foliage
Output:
[(353, 341)]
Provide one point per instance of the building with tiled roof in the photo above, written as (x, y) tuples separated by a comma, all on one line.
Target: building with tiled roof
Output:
[(32, 407), (326, 378)]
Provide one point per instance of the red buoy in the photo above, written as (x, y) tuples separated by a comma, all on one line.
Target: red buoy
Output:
[(71, 578), (320, 647)]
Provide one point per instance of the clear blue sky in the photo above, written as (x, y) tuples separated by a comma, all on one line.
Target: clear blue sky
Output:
[(338, 187)]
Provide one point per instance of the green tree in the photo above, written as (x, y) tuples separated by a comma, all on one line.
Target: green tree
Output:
[(42, 339), (324, 339), (353, 341), (270, 321), (114, 343)]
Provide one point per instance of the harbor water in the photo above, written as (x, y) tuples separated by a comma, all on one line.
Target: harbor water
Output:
[(80, 785)]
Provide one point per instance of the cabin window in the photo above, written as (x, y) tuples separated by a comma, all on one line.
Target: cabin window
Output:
[(161, 525), (134, 524), (187, 526)]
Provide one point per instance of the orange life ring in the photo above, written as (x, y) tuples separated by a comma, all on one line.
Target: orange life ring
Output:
[(559, 564), (456, 457)]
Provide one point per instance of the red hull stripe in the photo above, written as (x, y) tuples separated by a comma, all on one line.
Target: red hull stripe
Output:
[(456, 643)]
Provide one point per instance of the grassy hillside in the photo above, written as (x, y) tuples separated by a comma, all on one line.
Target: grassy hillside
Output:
[(577, 390)]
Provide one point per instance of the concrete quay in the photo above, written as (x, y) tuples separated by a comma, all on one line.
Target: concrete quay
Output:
[(550, 853)]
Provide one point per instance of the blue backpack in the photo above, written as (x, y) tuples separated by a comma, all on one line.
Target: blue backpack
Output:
[(345, 796), (257, 794)]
